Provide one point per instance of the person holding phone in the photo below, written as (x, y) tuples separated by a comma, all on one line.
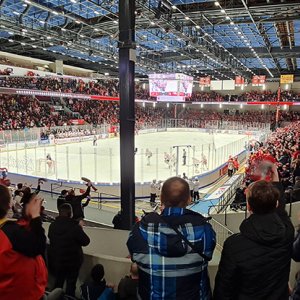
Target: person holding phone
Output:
[(21, 251)]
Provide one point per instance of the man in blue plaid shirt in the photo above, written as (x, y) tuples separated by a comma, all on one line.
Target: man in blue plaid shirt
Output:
[(169, 267)]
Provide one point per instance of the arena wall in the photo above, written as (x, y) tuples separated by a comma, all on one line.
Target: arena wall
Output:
[(108, 247)]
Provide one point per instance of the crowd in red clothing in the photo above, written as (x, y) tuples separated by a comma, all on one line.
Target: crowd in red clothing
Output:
[(111, 88), (282, 148), (18, 112), (62, 84)]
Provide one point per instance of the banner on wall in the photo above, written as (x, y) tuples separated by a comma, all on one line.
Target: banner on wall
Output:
[(239, 80), (286, 79), (204, 81), (77, 121), (258, 80)]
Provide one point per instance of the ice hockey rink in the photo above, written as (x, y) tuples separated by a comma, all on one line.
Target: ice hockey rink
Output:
[(101, 163)]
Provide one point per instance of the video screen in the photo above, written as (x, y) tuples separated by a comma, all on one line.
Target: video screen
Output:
[(175, 84)]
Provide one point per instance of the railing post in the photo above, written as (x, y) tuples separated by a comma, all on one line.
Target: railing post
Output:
[(95, 164), (80, 161), (68, 166)]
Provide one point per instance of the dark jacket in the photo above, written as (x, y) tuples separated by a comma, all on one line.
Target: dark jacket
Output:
[(93, 290), (127, 288), (180, 273), (75, 202), (296, 257), (60, 200), (66, 239), (30, 241), (295, 195), (255, 263)]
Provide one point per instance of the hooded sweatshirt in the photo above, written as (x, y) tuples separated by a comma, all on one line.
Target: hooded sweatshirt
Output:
[(255, 263)]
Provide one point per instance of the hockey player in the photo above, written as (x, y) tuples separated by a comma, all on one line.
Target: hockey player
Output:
[(184, 157), (50, 163), (95, 140), (191, 186), (196, 190), (153, 190), (167, 159), (204, 161), (148, 156)]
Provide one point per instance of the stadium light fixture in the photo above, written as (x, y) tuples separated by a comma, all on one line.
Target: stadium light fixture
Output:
[(174, 7), (11, 41), (217, 3), (231, 23), (223, 11)]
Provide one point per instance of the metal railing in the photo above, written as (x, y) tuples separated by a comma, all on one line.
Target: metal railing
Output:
[(105, 196), (226, 198), (222, 233)]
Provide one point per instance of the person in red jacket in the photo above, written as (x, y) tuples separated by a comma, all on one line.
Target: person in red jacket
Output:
[(236, 164), (23, 273)]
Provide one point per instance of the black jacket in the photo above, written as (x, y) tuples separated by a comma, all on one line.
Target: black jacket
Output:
[(127, 288), (93, 290), (29, 241), (296, 257), (60, 200), (75, 202), (66, 239), (255, 263)]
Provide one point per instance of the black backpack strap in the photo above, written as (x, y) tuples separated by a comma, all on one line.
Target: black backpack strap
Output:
[(205, 257)]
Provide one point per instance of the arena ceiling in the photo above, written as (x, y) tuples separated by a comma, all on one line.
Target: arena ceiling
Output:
[(199, 37)]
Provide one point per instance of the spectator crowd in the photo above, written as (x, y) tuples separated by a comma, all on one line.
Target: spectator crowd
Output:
[(19, 112), (111, 88)]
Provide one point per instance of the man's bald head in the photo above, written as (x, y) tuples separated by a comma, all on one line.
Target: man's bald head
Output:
[(175, 192)]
